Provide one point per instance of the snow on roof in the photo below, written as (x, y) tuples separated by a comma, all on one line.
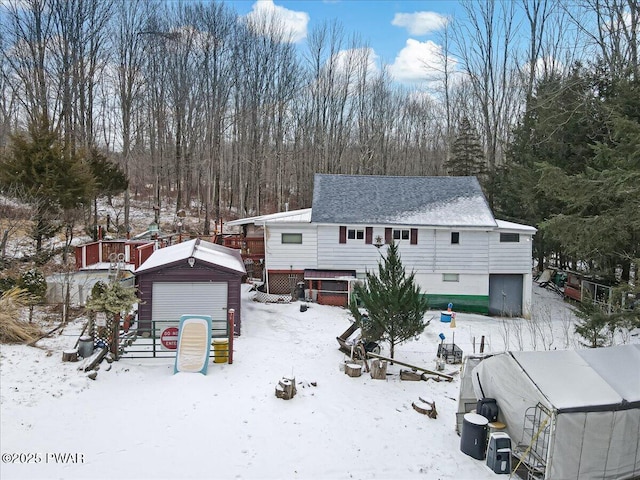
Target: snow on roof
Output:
[(579, 379), (504, 225), (389, 200), (293, 216), (199, 249)]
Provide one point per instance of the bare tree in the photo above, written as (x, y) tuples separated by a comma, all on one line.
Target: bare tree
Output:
[(486, 45), (613, 28), (27, 29), (131, 19), (218, 30)]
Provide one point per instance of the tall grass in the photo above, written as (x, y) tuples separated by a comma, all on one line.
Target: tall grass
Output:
[(12, 328)]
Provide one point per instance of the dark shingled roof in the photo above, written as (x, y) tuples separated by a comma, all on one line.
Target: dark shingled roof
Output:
[(382, 200)]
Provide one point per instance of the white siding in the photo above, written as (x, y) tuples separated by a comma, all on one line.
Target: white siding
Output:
[(468, 256), (478, 254), (279, 256), (434, 252), (353, 255), (510, 257)]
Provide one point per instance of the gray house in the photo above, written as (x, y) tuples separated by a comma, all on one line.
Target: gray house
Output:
[(193, 277), (443, 226)]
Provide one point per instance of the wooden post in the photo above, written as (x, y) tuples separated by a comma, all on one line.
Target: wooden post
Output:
[(231, 333)]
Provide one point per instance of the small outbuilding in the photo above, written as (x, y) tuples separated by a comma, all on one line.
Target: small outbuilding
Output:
[(195, 277), (572, 414)]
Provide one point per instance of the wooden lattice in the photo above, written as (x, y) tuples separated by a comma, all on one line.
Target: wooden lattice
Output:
[(107, 335), (283, 283)]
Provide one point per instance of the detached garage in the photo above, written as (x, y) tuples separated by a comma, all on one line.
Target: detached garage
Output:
[(194, 277)]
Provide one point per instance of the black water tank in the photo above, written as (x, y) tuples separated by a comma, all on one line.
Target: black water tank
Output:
[(488, 408), (473, 439)]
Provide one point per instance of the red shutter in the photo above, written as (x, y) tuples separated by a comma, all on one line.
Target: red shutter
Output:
[(368, 235), (388, 235), (414, 236), (343, 235)]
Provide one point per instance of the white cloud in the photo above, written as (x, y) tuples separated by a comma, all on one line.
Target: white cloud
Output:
[(419, 62), (293, 23), (356, 56), (420, 23)]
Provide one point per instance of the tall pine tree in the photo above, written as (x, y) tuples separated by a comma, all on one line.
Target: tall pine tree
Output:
[(467, 157), (393, 301), (54, 180)]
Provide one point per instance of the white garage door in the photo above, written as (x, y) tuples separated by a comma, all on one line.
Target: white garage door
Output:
[(172, 300)]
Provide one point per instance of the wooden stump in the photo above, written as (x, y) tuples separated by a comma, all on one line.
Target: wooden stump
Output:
[(70, 355), (379, 369), (286, 388), (353, 369)]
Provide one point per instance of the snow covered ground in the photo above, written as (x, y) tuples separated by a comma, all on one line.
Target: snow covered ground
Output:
[(138, 420)]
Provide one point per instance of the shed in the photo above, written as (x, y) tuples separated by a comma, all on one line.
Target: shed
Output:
[(576, 411), (194, 277)]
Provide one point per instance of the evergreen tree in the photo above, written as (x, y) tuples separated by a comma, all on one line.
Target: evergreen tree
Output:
[(115, 300), (393, 301), (54, 180), (467, 156), (109, 180), (599, 222), (112, 298), (597, 326), (34, 284)]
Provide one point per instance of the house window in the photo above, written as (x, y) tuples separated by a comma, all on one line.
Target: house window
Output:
[(291, 238), (509, 237), (354, 234), (450, 277), (401, 234), (455, 237)]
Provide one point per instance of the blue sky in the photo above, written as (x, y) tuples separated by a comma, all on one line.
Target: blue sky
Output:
[(402, 34)]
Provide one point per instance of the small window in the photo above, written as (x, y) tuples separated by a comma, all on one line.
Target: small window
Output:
[(450, 277), (291, 238), (509, 237), (455, 237), (353, 234), (401, 234)]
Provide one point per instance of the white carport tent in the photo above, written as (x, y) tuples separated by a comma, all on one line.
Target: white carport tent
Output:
[(594, 399)]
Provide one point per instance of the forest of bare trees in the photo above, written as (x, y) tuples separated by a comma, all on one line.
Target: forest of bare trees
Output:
[(227, 116)]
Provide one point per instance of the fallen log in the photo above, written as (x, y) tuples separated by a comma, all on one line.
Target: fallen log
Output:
[(448, 378), (410, 376), (33, 342), (91, 362)]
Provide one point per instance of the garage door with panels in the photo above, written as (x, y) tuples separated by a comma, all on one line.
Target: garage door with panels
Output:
[(171, 300)]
